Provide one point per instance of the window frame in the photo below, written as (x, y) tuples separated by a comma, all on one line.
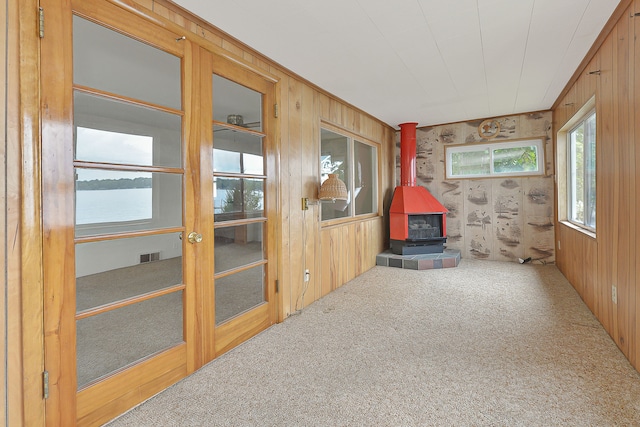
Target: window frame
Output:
[(562, 166), (538, 142), (581, 121), (351, 158)]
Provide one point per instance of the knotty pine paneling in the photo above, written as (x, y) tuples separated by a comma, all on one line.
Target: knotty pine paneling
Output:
[(284, 249), (302, 246), (577, 256), (362, 254), (605, 175), (348, 250), (293, 278), (310, 149), (623, 203), (631, 288), (348, 233), (3, 214), (634, 350), (593, 266)]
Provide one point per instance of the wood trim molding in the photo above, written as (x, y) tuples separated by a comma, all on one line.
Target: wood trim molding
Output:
[(26, 403), (4, 216)]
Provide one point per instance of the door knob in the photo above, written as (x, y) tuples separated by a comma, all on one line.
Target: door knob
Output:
[(194, 237)]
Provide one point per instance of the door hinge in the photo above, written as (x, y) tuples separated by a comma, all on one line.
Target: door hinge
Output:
[(41, 22), (275, 110), (277, 286), (45, 384)]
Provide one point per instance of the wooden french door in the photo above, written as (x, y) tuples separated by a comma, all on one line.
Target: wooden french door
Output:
[(154, 261), (244, 167)]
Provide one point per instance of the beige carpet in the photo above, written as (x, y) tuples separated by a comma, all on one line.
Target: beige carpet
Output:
[(484, 344)]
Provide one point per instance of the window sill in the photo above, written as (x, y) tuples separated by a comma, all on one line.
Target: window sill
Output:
[(575, 227), (329, 223)]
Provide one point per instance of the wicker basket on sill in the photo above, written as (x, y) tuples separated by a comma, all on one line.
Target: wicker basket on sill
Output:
[(333, 189)]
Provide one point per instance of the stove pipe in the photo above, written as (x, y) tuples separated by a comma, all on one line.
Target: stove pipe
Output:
[(408, 154)]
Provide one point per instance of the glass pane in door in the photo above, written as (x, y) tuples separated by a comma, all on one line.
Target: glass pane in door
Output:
[(109, 271), (111, 131), (238, 246), (115, 339), (112, 62), (236, 104), (239, 292), (110, 201), (237, 198), (237, 152)]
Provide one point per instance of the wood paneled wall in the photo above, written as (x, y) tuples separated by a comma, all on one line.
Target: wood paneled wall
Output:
[(304, 246), (594, 265), (333, 255), (348, 251), (3, 214)]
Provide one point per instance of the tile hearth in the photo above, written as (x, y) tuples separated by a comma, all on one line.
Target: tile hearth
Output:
[(449, 258)]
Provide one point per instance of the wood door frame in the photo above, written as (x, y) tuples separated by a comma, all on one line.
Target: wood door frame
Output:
[(24, 281), (198, 158), (56, 49)]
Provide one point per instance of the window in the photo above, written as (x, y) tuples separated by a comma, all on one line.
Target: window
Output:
[(356, 164), (513, 158), (104, 196), (581, 168)]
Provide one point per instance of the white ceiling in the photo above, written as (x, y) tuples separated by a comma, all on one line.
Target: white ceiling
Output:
[(428, 61)]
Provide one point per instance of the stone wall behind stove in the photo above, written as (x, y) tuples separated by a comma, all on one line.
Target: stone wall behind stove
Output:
[(499, 219)]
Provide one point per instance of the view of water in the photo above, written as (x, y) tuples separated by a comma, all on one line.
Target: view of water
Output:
[(98, 206)]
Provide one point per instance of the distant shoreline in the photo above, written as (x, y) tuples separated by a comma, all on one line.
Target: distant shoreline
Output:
[(114, 184)]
